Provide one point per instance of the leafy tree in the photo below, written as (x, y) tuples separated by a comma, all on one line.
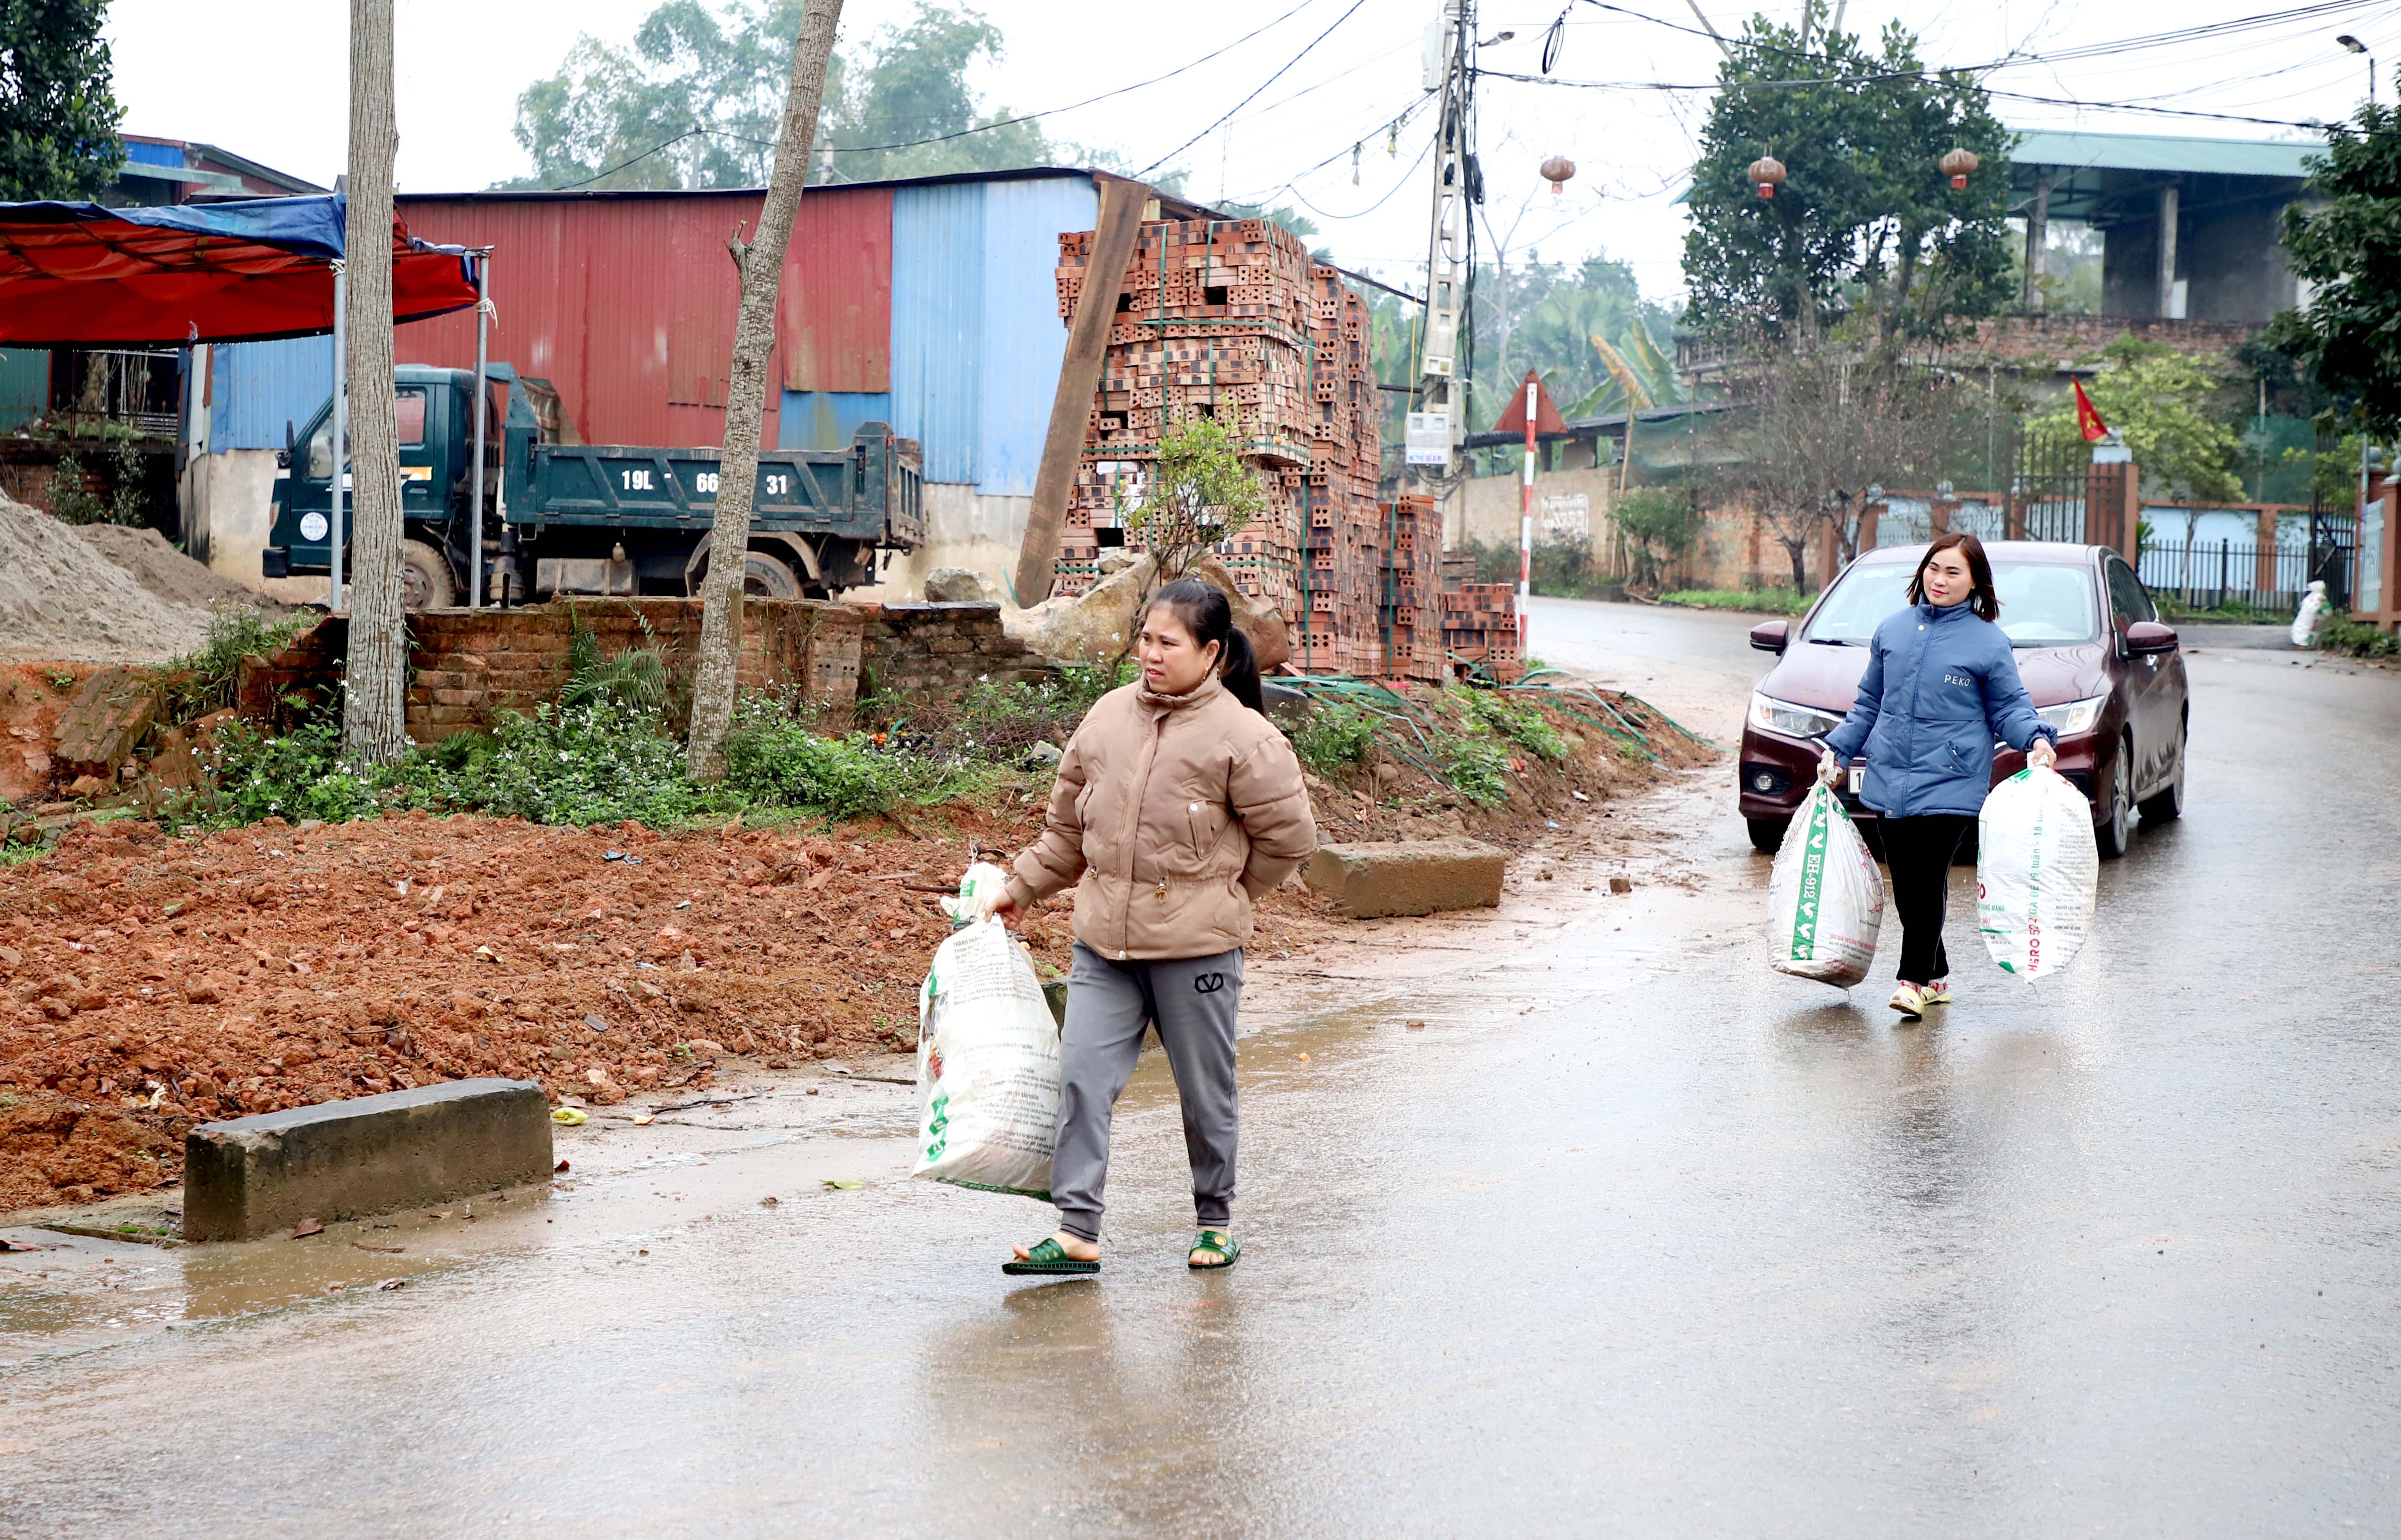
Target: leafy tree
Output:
[(57, 107), (1660, 525), (2345, 243), (695, 102), (1866, 219), (1199, 493), (2172, 411)]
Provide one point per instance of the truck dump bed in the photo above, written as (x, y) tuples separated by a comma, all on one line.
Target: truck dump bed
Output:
[(869, 491)]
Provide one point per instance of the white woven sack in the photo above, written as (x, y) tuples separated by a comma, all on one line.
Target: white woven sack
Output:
[(987, 1060), (1825, 898), (2036, 868)]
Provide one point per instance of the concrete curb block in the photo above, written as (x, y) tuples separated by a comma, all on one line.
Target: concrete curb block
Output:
[(251, 1176), (1407, 877)]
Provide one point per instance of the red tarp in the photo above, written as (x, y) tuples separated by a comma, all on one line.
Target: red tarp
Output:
[(77, 275)]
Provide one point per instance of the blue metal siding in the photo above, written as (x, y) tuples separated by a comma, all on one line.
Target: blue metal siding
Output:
[(937, 323), (154, 155), (1025, 341), (826, 419), (258, 386)]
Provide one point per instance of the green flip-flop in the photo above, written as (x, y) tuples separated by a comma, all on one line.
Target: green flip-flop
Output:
[(1217, 1243), (1048, 1257)]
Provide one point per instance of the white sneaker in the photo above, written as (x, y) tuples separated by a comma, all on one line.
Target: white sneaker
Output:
[(1935, 994), (1910, 1001)]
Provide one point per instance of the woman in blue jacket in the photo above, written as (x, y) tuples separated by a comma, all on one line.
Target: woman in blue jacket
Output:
[(1941, 686)]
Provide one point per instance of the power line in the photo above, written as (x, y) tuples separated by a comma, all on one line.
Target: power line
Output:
[(1247, 100), (980, 128)]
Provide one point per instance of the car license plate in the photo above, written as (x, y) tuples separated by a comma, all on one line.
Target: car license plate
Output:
[(1859, 778)]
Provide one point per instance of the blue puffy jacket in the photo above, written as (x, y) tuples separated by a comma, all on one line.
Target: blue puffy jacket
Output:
[(1941, 686)]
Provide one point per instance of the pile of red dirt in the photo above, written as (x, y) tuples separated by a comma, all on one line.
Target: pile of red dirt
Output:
[(148, 981)]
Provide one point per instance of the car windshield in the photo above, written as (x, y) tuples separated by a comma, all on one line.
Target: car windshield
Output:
[(2043, 604)]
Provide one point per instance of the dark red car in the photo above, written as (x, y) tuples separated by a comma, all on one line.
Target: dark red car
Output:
[(2088, 646)]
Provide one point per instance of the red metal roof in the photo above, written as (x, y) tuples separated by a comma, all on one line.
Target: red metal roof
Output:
[(627, 306)]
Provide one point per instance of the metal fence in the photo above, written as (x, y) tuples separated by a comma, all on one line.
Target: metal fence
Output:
[(2206, 573)]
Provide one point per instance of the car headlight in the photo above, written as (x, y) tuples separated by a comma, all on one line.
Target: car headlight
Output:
[(1771, 715), (2077, 716)]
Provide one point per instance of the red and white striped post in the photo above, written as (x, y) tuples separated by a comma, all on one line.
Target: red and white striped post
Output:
[(1525, 512)]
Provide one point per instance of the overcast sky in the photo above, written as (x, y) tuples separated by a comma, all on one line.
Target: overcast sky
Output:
[(266, 79)]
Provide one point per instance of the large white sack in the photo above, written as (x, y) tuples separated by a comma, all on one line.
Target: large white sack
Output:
[(2036, 868), (2312, 611), (1825, 898), (987, 1058)]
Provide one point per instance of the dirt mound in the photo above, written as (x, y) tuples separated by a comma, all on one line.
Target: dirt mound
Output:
[(155, 563), (148, 982), (62, 600)]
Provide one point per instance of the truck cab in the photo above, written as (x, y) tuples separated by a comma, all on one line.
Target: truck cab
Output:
[(581, 519)]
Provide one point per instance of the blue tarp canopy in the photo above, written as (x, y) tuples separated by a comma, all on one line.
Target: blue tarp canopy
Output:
[(77, 275)]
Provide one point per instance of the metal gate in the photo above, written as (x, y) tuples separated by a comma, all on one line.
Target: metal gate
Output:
[(2334, 537), (2048, 489)]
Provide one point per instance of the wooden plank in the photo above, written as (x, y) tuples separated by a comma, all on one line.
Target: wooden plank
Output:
[(1079, 375)]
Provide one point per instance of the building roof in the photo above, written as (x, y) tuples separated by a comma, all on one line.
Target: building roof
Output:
[(2151, 152)]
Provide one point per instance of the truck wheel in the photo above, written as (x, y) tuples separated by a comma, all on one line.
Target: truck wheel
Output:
[(765, 577), (1767, 835), (424, 577)]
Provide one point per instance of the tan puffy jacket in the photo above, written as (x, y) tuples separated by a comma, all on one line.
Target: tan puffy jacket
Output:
[(1177, 812)]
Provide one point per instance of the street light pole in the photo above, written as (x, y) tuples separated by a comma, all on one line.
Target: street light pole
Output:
[(2354, 46)]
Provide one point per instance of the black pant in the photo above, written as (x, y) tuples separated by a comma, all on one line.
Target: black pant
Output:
[(1918, 851)]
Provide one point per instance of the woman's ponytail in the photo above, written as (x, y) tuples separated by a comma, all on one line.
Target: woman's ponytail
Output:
[(1208, 616)]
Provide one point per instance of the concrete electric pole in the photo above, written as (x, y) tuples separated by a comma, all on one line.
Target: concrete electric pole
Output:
[(1440, 420)]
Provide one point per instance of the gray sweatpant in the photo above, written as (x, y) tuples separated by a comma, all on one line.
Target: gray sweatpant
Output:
[(1193, 1000)]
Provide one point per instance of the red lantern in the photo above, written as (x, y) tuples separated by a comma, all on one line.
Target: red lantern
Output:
[(1767, 174), (1556, 171), (1956, 165)]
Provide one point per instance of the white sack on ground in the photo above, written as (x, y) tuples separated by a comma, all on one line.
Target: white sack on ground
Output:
[(2305, 622), (1825, 898), (2037, 869), (987, 1056)]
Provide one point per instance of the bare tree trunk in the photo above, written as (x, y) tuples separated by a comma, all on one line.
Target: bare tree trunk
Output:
[(375, 712), (761, 263)]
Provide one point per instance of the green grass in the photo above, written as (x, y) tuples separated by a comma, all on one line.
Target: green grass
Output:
[(2234, 611), (1335, 736), (1766, 602)]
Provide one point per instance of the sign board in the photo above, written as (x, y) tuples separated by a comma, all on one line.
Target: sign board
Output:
[(2369, 596), (1568, 514), (1428, 438)]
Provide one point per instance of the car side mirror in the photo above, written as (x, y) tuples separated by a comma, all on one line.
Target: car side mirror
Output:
[(2149, 636), (1769, 635)]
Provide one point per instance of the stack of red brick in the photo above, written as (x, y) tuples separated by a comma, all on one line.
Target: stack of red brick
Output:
[(1479, 626), (1229, 320)]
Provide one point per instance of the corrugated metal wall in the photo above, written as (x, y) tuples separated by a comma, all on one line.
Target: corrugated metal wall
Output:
[(934, 310), (24, 386), (255, 387), (938, 322), (836, 301), (1023, 338)]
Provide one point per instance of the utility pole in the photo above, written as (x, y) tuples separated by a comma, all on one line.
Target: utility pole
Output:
[(1440, 422)]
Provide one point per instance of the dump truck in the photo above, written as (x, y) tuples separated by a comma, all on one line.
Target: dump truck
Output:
[(563, 518)]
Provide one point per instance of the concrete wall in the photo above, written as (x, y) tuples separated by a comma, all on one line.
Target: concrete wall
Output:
[(1485, 510), (964, 527), (227, 514)]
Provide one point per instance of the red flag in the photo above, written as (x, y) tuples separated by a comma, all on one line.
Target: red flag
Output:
[(2087, 420)]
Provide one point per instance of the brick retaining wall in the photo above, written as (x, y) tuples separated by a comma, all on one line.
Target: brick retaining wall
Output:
[(939, 650), (466, 664)]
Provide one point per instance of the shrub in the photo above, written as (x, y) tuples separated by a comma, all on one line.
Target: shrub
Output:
[(298, 775), (772, 758), (601, 763), (2339, 634), (1521, 721), (1335, 736), (203, 681), (1476, 767), (1772, 601)]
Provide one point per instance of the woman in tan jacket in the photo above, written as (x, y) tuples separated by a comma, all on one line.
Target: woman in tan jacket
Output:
[(1177, 804)]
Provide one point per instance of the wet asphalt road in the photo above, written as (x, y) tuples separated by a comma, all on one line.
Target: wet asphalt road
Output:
[(1634, 1236)]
